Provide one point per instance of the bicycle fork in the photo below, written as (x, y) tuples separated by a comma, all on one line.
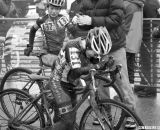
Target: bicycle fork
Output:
[(93, 103)]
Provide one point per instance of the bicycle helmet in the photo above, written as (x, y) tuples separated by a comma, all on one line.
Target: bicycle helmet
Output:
[(57, 3), (98, 39)]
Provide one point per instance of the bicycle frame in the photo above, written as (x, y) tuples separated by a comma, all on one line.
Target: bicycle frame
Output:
[(41, 71), (42, 66), (89, 91)]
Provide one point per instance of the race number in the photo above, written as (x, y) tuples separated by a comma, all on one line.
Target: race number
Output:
[(63, 21), (49, 26), (74, 58)]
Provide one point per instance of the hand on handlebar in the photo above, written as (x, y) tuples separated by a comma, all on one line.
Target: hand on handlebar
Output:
[(101, 65), (107, 63), (112, 73)]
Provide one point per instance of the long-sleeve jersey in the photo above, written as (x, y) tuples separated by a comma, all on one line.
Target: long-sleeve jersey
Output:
[(71, 62), (70, 65), (53, 30)]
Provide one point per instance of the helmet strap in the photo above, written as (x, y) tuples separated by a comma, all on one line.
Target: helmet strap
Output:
[(99, 57)]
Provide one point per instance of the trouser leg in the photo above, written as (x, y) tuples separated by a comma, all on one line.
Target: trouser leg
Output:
[(122, 80), (130, 66)]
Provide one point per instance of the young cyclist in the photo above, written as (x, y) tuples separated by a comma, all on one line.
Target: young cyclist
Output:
[(53, 28), (73, 61)]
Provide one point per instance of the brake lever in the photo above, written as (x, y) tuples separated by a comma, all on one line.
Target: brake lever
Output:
[(119, 67)]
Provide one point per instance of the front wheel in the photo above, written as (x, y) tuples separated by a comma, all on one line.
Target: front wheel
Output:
[(18, 78), (18, 109), (114, 116), (15, 78)]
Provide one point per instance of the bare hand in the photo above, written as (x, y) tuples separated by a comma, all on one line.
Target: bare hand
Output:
[(84, 20)]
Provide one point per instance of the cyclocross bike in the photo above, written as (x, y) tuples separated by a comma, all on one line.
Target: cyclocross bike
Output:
[(19, 108), (18, 78)]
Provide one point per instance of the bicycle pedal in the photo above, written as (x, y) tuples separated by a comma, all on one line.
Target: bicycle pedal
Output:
[(21, 98)]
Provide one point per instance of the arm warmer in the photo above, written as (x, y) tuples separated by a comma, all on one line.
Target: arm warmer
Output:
[(32, 35), (76, 73)]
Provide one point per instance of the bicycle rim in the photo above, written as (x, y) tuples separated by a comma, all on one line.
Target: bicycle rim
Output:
[(113, 116), (15, 78), (15, 101)]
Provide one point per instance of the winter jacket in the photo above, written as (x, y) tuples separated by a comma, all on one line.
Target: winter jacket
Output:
[(75, 7), (108, 13), (133, 24)]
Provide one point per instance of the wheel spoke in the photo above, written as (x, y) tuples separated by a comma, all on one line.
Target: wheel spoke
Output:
[(114, 117), (17, 112)]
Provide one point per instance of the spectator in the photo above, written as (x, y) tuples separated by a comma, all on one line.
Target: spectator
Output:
[(111, 15), (134, 27), (75, 7), (150, 10), (8, 10), (41, 6), (75, 10)]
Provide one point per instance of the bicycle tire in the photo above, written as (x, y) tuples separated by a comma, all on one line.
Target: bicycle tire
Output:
[(113, 103), (7, 77), (114, 86), (20, 98), (10, 73)]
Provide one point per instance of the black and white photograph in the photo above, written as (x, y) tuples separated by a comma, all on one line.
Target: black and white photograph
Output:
[(79, 64)]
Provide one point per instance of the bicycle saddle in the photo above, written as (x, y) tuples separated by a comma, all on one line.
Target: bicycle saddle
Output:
[(38, 77)]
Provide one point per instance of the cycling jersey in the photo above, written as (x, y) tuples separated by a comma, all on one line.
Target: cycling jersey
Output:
[(70, 64), (71, 58), (53, 30)]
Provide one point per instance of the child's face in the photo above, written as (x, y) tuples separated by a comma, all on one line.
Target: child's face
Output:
[(53, 10), (91, 54)]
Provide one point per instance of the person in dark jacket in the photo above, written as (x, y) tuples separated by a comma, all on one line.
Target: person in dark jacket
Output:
[(75, 7), (109, 13), (74, 10), (134, 31), (150, 9)]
